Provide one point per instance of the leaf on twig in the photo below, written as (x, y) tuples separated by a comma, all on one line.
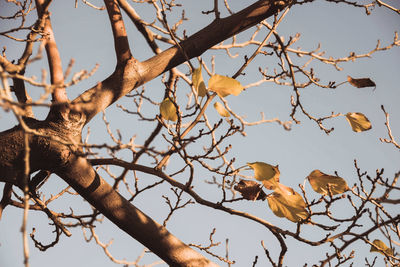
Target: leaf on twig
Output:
[(381, 248), (221, 109), (285, 202), (266, 173), (320, 182), (168, 110), (250, 190), (358, 121), (224, 85), (361, 83), (198, 82)]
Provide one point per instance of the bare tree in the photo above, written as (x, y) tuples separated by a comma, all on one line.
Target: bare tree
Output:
[(35, 149)]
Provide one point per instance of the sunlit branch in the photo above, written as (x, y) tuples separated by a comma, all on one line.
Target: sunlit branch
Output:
[(53, 57), (121, 44), (263, 43), (391, 139), (140, 25)]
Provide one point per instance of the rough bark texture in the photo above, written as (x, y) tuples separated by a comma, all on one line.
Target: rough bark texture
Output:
[(81, 176)]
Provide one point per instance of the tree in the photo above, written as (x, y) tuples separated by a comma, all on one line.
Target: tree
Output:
[(57, 146)]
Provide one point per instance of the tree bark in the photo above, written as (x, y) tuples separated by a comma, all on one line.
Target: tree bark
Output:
[(81, 176)]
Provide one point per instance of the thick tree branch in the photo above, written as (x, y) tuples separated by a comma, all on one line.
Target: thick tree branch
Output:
[(118, 28), (5, 200), (209, 36), (53, 57), (148, 34), (81, 176), (22, 96)]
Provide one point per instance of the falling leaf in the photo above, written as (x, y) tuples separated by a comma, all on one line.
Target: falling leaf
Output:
[(198, 82), (224, 85), (320, 181), (288, 204), (266, 173), (250, 190), (221, 110), (361, 83), (168, 110), (358, 121), (382, 248)]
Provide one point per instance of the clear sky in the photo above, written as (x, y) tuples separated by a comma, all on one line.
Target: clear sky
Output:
[(84, 34)]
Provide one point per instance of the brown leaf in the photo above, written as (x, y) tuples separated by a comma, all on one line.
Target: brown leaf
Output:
[(358, 121), (361, 83), (250, 190)]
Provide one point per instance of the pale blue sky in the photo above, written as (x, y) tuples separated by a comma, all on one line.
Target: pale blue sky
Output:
[(84, 34)]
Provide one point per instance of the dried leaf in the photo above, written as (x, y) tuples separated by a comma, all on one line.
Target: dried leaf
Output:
[(361, 83), (320, 182), (358, 121), (168, 110), (250, 190), (287, 203), (221, 109), (224, 85), (266, 173), (382, 248), (198, 82)]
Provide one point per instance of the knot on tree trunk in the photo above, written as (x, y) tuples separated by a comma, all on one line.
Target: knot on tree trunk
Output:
[(51, 144)]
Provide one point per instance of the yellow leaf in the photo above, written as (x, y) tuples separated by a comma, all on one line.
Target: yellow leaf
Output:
[(358, 121), (224, 85), (382, 248), (284, 190), (198, 82), (168, 110), (288, 204), (320, 181), (221, 110), (291, 197), (266, 173)]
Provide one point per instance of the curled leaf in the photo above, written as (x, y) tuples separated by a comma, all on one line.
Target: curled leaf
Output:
[(320, 182), (198, 82), (168, 110), (266, 173), (224, 85), (250, 190), (381, 248), (361, 83), (358, 121), (287, 203), (221, 110)]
